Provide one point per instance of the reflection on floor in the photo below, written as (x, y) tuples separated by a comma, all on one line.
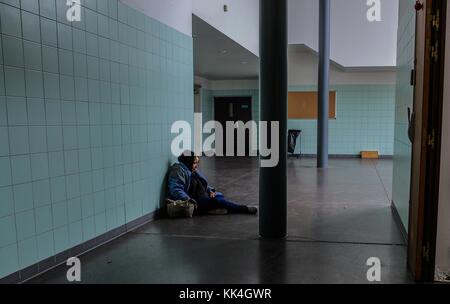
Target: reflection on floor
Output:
[(338, 219)]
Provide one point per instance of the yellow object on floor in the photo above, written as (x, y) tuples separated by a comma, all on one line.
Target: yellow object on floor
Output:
[(369, 155)]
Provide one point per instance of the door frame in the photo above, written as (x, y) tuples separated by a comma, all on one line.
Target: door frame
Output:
[(425, 168), (249, 99), (232, 97)]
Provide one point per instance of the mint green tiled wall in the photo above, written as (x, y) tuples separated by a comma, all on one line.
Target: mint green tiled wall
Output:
[(85, 115), (365, 118), (404, 99)]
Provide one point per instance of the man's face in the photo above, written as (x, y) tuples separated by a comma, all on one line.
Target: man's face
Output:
[(196, 164)]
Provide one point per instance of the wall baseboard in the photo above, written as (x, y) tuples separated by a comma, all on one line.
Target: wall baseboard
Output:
[(43, 266), (341, 156), (398, 221)]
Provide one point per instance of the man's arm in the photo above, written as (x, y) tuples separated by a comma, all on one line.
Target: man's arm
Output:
[(177, 185)]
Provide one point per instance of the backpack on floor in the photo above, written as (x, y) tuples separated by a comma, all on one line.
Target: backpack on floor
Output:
[(180, 209)]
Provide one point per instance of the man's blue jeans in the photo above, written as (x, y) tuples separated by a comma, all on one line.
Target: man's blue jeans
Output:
[(208, 204)]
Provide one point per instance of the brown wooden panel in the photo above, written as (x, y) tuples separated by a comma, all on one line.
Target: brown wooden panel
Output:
[(303, 105)]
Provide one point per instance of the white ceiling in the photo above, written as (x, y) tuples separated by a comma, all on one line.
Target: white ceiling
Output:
[(218, 57)]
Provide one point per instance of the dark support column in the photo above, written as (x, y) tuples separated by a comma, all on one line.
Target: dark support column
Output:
[(324, 77), (273, 96)]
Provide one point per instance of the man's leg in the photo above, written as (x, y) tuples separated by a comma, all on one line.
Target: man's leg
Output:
[(229, 205), (207, 204)]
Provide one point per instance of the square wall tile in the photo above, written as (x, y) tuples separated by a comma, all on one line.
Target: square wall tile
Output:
[(2, 79), (64, 36), (48, 8), (70, 137), (18, 140), (56, 164), (36, 112), (86, 183), (10, 20), (79, 41), (31, 6), (74, 210), (58, 189), (31, 26), (51, 86), (50, 59), (14, 81), (100, 223), (26, 226), (38, 139), (53, 113), (34, 84), (65, 62), (9, 261), (103, 26), (3, 112), (67, 84), (84, 140), (44, 219), (28, 252), (4, 139), (93, 66), (45, 245), (73, 186), (61, 237), (54, 138), (49, 34), (80, 65), (87, 206), (84, 157), (39, 166), (17, 111), (81, 89), (88, 228), (91, 21), (75, 233), (15, 3), (23, 197), (60, 218), (71, 161), (69, 115), (5, 172), (92, 44), (12, 51), (82, 109), (7, 202), (7, 231), (41, 193), (112, 7)]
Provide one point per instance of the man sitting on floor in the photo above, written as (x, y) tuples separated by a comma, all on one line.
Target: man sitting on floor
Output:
[(187, 183)]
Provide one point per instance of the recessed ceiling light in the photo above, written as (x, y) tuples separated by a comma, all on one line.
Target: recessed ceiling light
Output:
[(244, 62), (224, 51)]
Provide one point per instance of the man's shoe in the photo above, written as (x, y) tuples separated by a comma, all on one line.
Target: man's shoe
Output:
[(218, 212), (252, 210)]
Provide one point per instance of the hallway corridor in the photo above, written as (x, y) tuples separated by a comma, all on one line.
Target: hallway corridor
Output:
[(337, 220)]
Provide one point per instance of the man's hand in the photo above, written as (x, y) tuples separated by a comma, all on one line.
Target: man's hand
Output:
[(212, 194)]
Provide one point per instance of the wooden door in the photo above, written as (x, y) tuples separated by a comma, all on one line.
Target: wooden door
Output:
[(428, 92)]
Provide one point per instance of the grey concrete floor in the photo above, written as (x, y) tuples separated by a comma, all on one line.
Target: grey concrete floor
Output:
[(338, 219)]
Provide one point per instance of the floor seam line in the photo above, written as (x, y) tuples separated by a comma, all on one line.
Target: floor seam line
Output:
[(381, 181), (258, 239)]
